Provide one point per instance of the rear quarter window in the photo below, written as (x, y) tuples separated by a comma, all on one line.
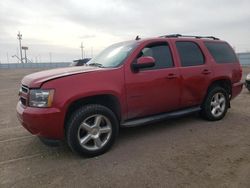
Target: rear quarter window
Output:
[(221, 52)]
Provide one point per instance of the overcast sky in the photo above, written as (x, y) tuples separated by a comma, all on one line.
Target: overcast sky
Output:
[(59, 26)]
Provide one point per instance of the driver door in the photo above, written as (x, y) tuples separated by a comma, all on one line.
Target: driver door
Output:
[(153, 90)]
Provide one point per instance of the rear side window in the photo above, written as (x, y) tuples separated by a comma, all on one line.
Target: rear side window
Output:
[(190, 54), (221, 52)]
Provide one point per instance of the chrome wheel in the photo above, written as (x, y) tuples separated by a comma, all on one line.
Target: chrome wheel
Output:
[(94, 132), (218, 104)]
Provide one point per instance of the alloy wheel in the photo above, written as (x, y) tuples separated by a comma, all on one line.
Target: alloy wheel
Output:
[(94, 132), (218, 104)]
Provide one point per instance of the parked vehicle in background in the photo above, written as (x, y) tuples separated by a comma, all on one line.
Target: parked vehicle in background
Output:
[(79, 62), (129, 84), (247, 82)]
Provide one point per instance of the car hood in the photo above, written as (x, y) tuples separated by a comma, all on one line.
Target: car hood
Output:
[(36, 79)]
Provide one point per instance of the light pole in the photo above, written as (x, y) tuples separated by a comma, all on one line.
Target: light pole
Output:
[(16, 57), (25, 49), (82, 49), (19, 37)]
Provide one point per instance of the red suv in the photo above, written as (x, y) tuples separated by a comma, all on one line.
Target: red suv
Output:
[(129, 84)]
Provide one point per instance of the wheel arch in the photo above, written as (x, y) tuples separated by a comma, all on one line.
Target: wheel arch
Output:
[(222, 82), (108, 100)]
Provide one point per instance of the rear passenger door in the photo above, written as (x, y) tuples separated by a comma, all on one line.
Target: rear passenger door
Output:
[(195, 72)]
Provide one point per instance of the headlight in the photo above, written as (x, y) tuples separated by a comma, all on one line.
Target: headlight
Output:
[(41, 98), (248, 77)]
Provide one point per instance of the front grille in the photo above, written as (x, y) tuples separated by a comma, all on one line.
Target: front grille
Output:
[(23, 101), (24, 89)]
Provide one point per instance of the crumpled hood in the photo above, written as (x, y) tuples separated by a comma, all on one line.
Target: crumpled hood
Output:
[(36, 79)]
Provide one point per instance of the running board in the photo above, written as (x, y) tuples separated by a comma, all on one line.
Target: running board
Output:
[(159, 117)]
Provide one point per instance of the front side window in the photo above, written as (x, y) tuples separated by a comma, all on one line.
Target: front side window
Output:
[(221, 52), (161, 53), (113, 56), (190, 53)]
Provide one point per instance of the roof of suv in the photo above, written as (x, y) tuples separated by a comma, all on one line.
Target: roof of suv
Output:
[(189, 36), (181, 37)]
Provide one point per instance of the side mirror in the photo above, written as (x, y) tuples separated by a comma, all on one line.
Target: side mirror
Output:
[(143, 62)]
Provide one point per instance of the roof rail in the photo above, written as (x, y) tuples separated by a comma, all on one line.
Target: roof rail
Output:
[(198, 37)]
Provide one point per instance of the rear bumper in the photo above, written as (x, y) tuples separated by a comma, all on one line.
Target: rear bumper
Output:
[(43, 122), (236, 89)]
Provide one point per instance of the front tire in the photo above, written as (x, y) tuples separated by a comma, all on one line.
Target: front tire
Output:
[(216, 104), (92, 130)]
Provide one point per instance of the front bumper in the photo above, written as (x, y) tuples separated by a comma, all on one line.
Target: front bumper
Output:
[(44, 122)]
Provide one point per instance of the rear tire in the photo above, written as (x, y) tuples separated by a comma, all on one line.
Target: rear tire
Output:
[(216, 104), (92, 130)]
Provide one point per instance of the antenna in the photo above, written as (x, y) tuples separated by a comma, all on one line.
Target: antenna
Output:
[(137, 37)]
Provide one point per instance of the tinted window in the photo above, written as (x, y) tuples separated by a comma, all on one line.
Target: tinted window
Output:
[(221, 52), (161, 53), (190, 54)]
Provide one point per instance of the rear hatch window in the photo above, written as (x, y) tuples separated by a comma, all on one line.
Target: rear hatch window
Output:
[(221, 52)]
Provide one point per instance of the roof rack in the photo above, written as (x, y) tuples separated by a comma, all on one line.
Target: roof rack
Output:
[(198, 37)]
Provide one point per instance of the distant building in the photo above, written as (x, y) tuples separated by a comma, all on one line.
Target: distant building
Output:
[(244, 58)]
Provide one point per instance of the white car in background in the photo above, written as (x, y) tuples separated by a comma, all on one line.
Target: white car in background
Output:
[(247, 82)]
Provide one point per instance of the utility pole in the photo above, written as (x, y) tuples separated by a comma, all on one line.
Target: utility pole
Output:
[(7, 57), (82, 49), (91, 52), (19, 37), (50, 57)]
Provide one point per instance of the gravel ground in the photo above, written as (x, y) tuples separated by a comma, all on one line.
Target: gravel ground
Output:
[(185, 152)]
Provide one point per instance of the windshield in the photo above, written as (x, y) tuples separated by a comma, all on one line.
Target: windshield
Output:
[(113, 56)]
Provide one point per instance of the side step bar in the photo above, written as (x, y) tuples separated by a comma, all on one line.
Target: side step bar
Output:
[(159, 117)]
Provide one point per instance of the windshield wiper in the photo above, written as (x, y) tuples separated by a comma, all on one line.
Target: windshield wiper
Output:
[(96, 65)]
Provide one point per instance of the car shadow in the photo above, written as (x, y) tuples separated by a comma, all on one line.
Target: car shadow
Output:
[(125, 134), (156, 128)]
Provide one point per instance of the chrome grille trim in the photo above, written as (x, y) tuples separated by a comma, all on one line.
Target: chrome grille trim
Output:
[(24, 89)]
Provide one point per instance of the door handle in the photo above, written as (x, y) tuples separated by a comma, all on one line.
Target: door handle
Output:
[(206, 71), (171, 76)]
